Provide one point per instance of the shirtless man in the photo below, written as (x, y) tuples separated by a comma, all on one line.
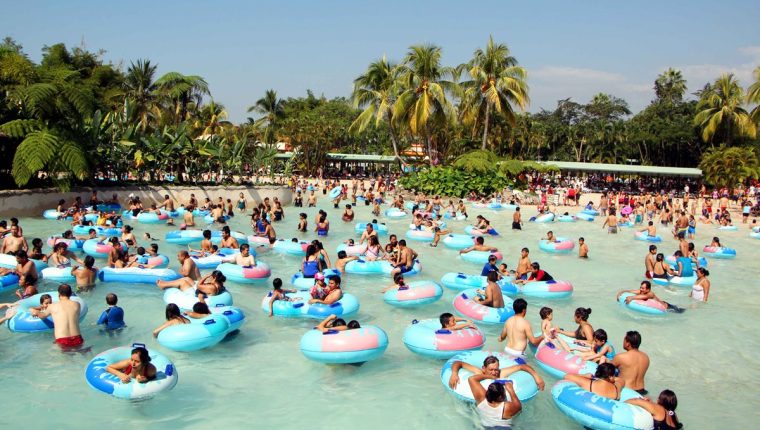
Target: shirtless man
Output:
[(518, 330), (491, 368), (65, 316), (517, 220), (582, 248), (651, 230), (367, 233), (187, 217), (683, 245), (649, 261), (244, 258), (117, 255), (681, 226), (643, 293), (86, 275), (168, 204), (478, 246), (206, 245), (342, 260), (217, 212), (227, 240), (26, 271), (611, 222), (493, 297), (188, 270), (632, 363), (405, 258), (523, 265), (14, 242)]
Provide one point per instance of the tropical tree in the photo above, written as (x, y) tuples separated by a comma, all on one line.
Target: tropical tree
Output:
[(272, 109), (670, 86), (720, 114), (423, 103), (181, 90), (753, 96), (725, 166), (140, 90), (497, 83), (376, 90), (481, 160)]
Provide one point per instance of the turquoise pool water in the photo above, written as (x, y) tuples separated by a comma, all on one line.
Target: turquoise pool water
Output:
[(259, 378)]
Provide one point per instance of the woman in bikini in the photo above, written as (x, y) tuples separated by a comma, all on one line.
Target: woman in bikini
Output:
[(602, 383), (138, 366), (374, 250)]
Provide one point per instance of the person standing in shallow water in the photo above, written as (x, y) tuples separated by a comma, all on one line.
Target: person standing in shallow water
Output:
[(632, 364), (65, 316)]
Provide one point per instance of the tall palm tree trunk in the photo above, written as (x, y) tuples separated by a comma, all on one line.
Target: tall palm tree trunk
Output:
[(485, 127), (394, 142)]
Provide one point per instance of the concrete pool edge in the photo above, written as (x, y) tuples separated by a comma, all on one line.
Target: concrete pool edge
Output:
[(33, 202)]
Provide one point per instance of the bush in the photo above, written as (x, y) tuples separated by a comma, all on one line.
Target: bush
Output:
[(452, 182)]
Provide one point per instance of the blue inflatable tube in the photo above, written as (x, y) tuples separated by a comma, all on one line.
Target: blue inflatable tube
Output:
[(58, 274), (539, 289), (361, 267), (300, 307), (560, 245), (414, 294), (460, 281), (99, 379), (108, 207), (427, 338), (93, 218), (642, 235), (592, 212), (597, 412), (566, 218), (9, 262), (136, 275), (246, 275), (523, 383), (201, 333), (210, 219), (584, 216), (394, 213), (25, 322), (99, 230), (235, 316), (717, 252), (214, 260), (466, 306), (381, 229), (186, 299), (471, 231), (336, 192), (458, 241), (97, 249), (288, 247), (480, 257), (53, 214), (547, 217), (649, 307), (8, 281), (184, 237), (346, 346), (216, 237), (299, 281), (676, 281)]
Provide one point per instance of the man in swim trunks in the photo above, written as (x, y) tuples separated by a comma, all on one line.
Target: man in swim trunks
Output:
[(632, 364), (649, 261), (518, 330), (681, 225), (65, 315), (14, 242), (188, 270), (479, 246), (517, 220), (582, 248), (227, 240), (405, 259), (611, 222)]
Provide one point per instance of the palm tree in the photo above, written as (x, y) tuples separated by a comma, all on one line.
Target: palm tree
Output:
[(753, 96), (139, 88), (181, 90), (423, 102), (723, 166), (497, 83), (670, 86), (376, 91), (720, 112), (272, 108)]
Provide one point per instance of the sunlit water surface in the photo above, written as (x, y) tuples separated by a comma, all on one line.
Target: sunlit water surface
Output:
[(260, 379)]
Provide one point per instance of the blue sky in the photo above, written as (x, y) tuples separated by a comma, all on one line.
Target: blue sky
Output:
[(571, 48)]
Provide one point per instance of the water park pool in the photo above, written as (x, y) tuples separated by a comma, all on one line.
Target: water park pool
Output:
[(260, 379)]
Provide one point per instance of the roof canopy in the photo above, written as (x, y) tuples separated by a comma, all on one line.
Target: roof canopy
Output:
[(564, 166)]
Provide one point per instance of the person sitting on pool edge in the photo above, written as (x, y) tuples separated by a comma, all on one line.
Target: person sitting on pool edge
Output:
[(138, 366), (610, 388), (492, 371), (332, 322), (449, 322)]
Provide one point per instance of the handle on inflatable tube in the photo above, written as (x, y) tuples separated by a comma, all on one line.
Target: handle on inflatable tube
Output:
[(519, 360), (331, 331), (169, 370), (297, 305), (334, 305), (209, 322), (443, 331), (464, 296), (415, 321), (138, 345), (227, 312)]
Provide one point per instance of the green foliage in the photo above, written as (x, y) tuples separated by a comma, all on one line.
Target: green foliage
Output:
[(452, 182), (728, 167), (482, 161)]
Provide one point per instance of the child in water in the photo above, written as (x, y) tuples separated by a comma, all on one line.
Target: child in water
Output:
[(45, 300), (600, 351), (348, 213), (302, 223), (548, 330), (278, 293), (113, 316)]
